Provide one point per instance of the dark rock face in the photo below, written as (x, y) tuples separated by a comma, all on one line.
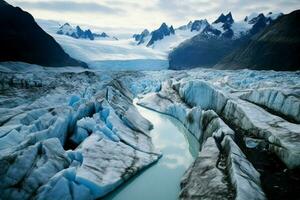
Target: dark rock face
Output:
[(227, 22), (160, 33), (201, 51), (197, 25), (276, 48), (23, 40), (103, 35), (206, 48), (225, 19), (209, 30), (87, 34), (140, 38), (259, 23)]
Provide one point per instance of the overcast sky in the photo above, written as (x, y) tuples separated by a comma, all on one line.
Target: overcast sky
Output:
[(139, 14)]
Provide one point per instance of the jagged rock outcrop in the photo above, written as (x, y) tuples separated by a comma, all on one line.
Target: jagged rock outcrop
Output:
[(199, 25), (140, 38), (225, 19), (160, 33), (154, 36), (78, 33), (23, 40), (102, 35), (225, 22)]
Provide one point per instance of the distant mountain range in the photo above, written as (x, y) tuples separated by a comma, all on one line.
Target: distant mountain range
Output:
[(223, 27), (214, 41), (23, 40), (277, 48), (259, 41), (78, 33), (155, 35)]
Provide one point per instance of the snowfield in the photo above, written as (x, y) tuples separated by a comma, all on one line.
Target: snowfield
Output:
[(121, 54), (109, 53), (74, 133)]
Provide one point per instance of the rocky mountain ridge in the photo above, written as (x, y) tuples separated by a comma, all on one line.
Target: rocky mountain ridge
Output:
[(218, 40), (78, 33)]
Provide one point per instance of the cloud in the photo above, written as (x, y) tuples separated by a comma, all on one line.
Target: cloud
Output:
[(148, 13), (69, 6)]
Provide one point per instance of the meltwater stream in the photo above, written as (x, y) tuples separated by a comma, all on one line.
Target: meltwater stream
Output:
[(161, 181)]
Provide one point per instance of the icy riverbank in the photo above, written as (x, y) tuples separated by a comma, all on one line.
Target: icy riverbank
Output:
[(224, 123), (178, 154)]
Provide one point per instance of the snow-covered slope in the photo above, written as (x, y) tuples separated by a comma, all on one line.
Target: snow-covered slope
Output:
[(217, 40), (224, 26), (165, 38), (92, 51), (117, 50), (171, 41)]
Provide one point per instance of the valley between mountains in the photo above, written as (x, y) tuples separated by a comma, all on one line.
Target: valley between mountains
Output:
[(206, 110)]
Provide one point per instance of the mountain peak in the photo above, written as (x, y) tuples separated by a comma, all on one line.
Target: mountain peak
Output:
[(172, 31), (103, 34), (66, 24), (163, 25), (225, 19), (78, 29), (140, 38), (146, 32), (275, 41), (77, 32), (160, 33), (199, 25)]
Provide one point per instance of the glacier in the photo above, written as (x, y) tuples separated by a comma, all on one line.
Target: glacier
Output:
[(75, 133), (53, 139)]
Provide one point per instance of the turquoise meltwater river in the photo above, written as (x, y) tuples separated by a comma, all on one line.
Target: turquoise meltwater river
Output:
[(161, 181)]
